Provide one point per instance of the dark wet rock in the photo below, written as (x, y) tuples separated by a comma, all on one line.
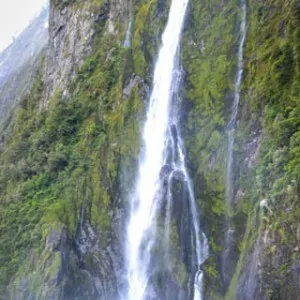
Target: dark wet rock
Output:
[(165, 172), (174, 134)]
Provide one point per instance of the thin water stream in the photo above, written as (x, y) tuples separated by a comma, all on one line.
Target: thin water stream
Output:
[(229, 235)]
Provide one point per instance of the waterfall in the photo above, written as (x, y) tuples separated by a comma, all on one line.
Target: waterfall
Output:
[(128, 36), (178, 166), (127, 42), (150, 253), (229, 238), (232, 121)]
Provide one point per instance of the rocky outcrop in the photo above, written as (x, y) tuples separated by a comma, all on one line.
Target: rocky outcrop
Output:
[(70, 36), (119, 11), (64, 270), (71, 32), (248, 285)]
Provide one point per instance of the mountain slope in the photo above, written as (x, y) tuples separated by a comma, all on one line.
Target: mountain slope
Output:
[(20, 61)]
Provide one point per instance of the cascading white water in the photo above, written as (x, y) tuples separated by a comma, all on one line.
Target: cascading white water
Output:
[(157, 138), (233, 118), (202, 250)]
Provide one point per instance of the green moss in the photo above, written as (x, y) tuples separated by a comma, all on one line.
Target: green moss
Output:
[(271, 71), (209, 59), (250, 237), (146, 36)]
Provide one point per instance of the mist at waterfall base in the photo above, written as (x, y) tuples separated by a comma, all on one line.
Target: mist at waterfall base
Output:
[(165, 247)]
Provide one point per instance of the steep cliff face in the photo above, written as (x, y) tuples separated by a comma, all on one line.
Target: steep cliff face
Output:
[(269, 119), (72, 245), (68, 163), (65, 239), (71, 30), (264, 217)]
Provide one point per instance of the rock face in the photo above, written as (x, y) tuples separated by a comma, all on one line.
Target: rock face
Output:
[(82, 267), (89, 263), (64, 271), (248, 285), (119, 11), (71, 32), (70, 36)]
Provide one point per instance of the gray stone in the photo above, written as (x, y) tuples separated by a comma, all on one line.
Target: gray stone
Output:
[(134, 81), (56, 238), (71, 31)]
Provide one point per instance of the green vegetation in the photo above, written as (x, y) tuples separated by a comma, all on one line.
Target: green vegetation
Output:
[(147, 36), (77, 158), (71, 157), (269, 115), (58, 160), (270, 105), (209, 58)]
